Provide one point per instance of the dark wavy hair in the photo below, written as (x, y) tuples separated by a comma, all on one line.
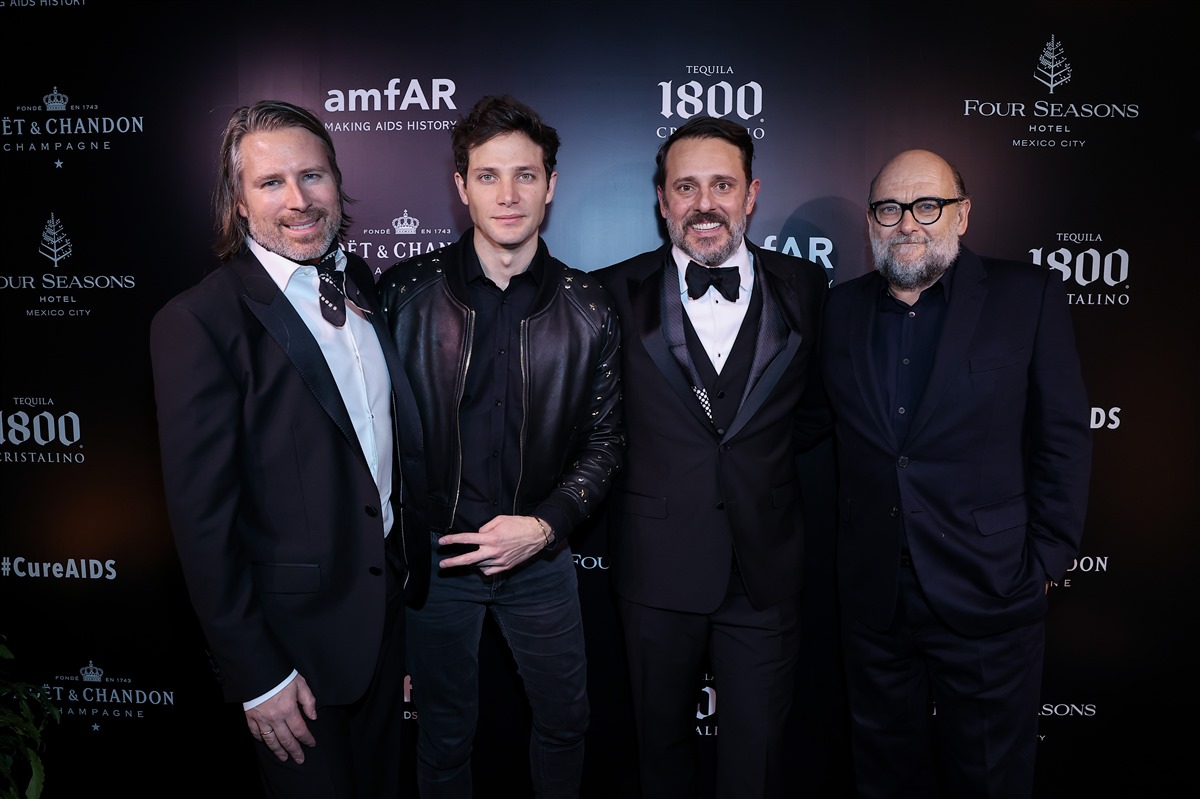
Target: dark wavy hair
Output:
[(497, 116), (706, 128), (266, 115)]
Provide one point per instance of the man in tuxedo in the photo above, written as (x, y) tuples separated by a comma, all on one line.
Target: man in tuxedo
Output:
[(291, 486), (963, 441), (720, 392)]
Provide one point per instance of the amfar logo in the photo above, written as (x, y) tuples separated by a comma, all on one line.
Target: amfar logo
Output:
[(435, 94)]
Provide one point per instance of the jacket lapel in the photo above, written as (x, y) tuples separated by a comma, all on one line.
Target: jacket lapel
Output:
[(776, 342), (962, 316), (647, 300), (864, 314), (276, 314)]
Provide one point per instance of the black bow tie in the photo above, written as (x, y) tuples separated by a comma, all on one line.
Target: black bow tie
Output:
[(725, 278)]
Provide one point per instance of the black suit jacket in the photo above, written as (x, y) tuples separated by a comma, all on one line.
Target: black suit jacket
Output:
[(992, 480), (275, 513), (689, 497)]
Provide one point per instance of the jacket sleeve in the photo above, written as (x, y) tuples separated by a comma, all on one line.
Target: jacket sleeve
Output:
[(199, 419), (814, 417), (590, 470), (1059, 436)]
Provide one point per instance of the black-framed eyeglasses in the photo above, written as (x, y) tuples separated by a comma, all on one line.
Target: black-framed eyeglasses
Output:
[(926, 210)]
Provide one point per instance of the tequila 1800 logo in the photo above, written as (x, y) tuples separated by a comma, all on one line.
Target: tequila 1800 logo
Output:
[(1093, 269), (43, 428), (719, 100), (1087, 267)]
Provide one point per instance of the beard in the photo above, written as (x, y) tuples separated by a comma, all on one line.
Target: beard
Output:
[(709, 253), (940, 253), (310, 248)]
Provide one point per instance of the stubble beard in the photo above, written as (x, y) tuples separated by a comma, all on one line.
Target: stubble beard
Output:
[(273, 239)]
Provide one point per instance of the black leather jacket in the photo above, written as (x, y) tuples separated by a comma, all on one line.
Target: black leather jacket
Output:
[(572, 439)]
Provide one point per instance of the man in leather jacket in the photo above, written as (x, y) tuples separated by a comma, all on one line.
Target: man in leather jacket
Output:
[(514, 360)]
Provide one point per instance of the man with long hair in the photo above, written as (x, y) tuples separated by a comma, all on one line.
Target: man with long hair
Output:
[(291, 486)]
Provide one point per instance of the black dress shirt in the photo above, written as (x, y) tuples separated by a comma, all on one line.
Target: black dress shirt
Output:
[(906, 340), (490, 415)]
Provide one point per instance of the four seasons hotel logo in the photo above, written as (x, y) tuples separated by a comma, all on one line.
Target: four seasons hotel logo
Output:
[(1051, 123), (1053, 70)]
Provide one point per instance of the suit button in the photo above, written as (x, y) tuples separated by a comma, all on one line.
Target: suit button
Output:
[(375, 570), (903, 461), (720, 395), (894, 512), (720, 431), (371, 511), (720, 506)]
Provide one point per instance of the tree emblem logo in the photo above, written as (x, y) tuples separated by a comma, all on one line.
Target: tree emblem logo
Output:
[(1053, 69), (55, 244)]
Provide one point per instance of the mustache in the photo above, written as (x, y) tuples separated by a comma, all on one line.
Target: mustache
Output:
[(915, 238), (706, 216), (313, 215)]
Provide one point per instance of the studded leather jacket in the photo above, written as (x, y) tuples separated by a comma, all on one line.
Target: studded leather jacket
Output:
[(572, 438)]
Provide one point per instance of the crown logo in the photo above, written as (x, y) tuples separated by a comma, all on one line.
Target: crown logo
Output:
[(406, 225), (55, 100), (91, 673)]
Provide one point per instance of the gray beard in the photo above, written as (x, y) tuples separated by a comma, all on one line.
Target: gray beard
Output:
[(940, 255), (710, 256)]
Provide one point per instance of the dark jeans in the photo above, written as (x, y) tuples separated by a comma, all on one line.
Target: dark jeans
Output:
[(536, 607)]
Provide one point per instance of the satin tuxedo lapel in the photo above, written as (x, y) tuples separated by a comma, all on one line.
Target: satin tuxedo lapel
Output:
[(276, 314), (648, 302), (776, 343), (962, 316), (656, 305)]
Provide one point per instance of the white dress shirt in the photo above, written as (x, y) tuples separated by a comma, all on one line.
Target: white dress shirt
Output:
[(715, 319), (355, 358)]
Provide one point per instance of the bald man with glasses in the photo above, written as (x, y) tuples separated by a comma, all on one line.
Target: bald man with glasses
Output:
[(964, 450)]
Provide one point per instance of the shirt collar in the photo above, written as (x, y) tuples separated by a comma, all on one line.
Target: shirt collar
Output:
[(473, 269), (741, 259), (281, 269)]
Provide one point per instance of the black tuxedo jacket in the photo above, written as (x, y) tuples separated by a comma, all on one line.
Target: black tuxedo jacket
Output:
[(275, 513), (690, 497), (992, 480)]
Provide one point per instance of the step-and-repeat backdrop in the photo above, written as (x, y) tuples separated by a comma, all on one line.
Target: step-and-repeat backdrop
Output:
[(1073, 124)]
